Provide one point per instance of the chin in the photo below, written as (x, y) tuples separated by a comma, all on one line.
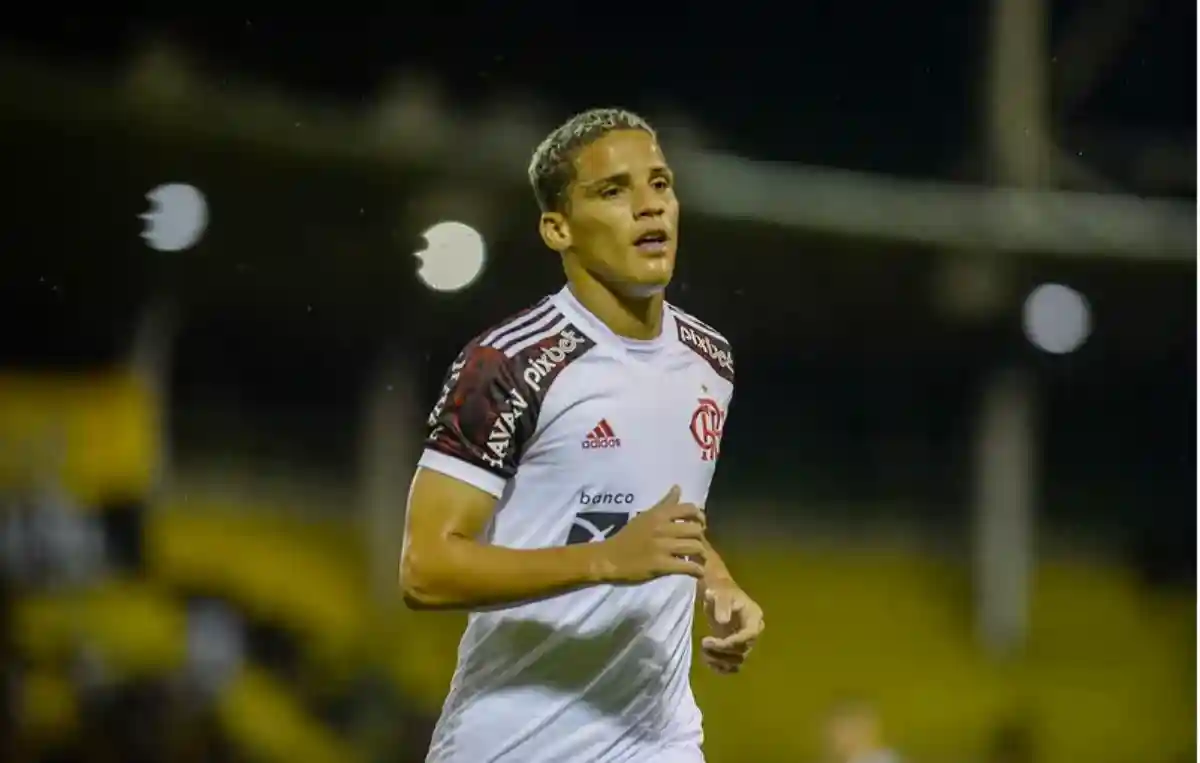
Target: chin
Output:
[(647, 281), (637, 282), (643, 290)]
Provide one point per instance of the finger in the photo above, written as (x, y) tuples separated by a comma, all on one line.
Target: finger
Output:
[(723, 667), (671, 498), (686, 547), (727, 650), (674, 565), (736, 654), (716, 646), (732, 658), (684, 529), (752, 620), (684, 511), (696, 558), (744, 637), (750, 615), (719, 602)]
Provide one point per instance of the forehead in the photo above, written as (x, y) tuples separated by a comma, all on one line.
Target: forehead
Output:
[(618, 152)]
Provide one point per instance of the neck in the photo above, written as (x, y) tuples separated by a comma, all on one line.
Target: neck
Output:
[(631, 317)]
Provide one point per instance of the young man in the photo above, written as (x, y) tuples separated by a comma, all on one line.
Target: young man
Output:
[(557, 497)]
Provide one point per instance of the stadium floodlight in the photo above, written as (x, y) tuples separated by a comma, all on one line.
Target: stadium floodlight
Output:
[(177, 217), (453, 257), (1057, 318)]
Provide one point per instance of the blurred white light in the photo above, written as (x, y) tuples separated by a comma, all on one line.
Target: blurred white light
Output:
[(1057, 318), (177, 217), (453, 258)]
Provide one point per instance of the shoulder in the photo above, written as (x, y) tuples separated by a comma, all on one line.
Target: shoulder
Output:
[(531, 346), (513, 362), (704, 340), (491, 400)]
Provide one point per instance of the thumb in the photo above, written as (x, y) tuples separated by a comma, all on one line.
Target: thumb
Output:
[(672, 496)]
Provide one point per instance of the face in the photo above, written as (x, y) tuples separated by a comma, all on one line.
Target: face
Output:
[(621, 224)]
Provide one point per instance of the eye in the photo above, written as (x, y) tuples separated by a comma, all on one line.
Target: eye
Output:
[(661, 184), (611, 192)]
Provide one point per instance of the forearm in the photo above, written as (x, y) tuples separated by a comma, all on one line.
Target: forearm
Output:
[(467, 574), (715, 571)]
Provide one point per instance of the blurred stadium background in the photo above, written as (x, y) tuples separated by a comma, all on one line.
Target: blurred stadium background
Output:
[(962, 499)]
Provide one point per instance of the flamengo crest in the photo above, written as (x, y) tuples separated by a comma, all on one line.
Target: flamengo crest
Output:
[(708, 422)]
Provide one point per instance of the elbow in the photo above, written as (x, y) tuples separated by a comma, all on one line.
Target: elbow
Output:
[(417, 586), (416, 597), (417, 603)]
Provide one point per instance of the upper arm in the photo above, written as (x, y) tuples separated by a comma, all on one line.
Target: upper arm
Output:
[(442, 507)]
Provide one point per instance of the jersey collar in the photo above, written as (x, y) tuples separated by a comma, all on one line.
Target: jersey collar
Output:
[(597, 330)]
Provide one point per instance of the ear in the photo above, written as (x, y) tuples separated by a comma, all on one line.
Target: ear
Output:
[(555, 231)]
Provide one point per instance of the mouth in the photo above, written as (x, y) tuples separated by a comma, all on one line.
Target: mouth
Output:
[(653, 241)]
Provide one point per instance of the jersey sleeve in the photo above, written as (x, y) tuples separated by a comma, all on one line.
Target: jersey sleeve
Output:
[(481, 421)]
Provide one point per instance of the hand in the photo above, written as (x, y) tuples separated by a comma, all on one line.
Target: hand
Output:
[(666, 539), (736, 622)]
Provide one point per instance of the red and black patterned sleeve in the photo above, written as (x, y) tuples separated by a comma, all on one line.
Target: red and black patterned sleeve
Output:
[(489, 406), (482, 417)]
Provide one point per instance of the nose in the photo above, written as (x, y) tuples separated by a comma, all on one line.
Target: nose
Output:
[(648, 203)]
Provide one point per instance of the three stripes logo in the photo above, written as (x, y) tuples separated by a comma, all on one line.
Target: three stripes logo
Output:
[(601, 436)]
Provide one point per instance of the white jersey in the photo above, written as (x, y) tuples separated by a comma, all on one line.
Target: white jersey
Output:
[(575, 429)]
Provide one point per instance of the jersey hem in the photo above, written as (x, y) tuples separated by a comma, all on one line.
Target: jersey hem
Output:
[(462, 471)]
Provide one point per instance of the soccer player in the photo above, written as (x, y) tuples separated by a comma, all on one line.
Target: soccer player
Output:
[(559, 495)]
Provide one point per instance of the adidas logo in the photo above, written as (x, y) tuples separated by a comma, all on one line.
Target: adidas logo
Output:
[(602, 436)]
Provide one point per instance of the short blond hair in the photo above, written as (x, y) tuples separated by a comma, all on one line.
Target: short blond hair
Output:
[(551, 169)]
